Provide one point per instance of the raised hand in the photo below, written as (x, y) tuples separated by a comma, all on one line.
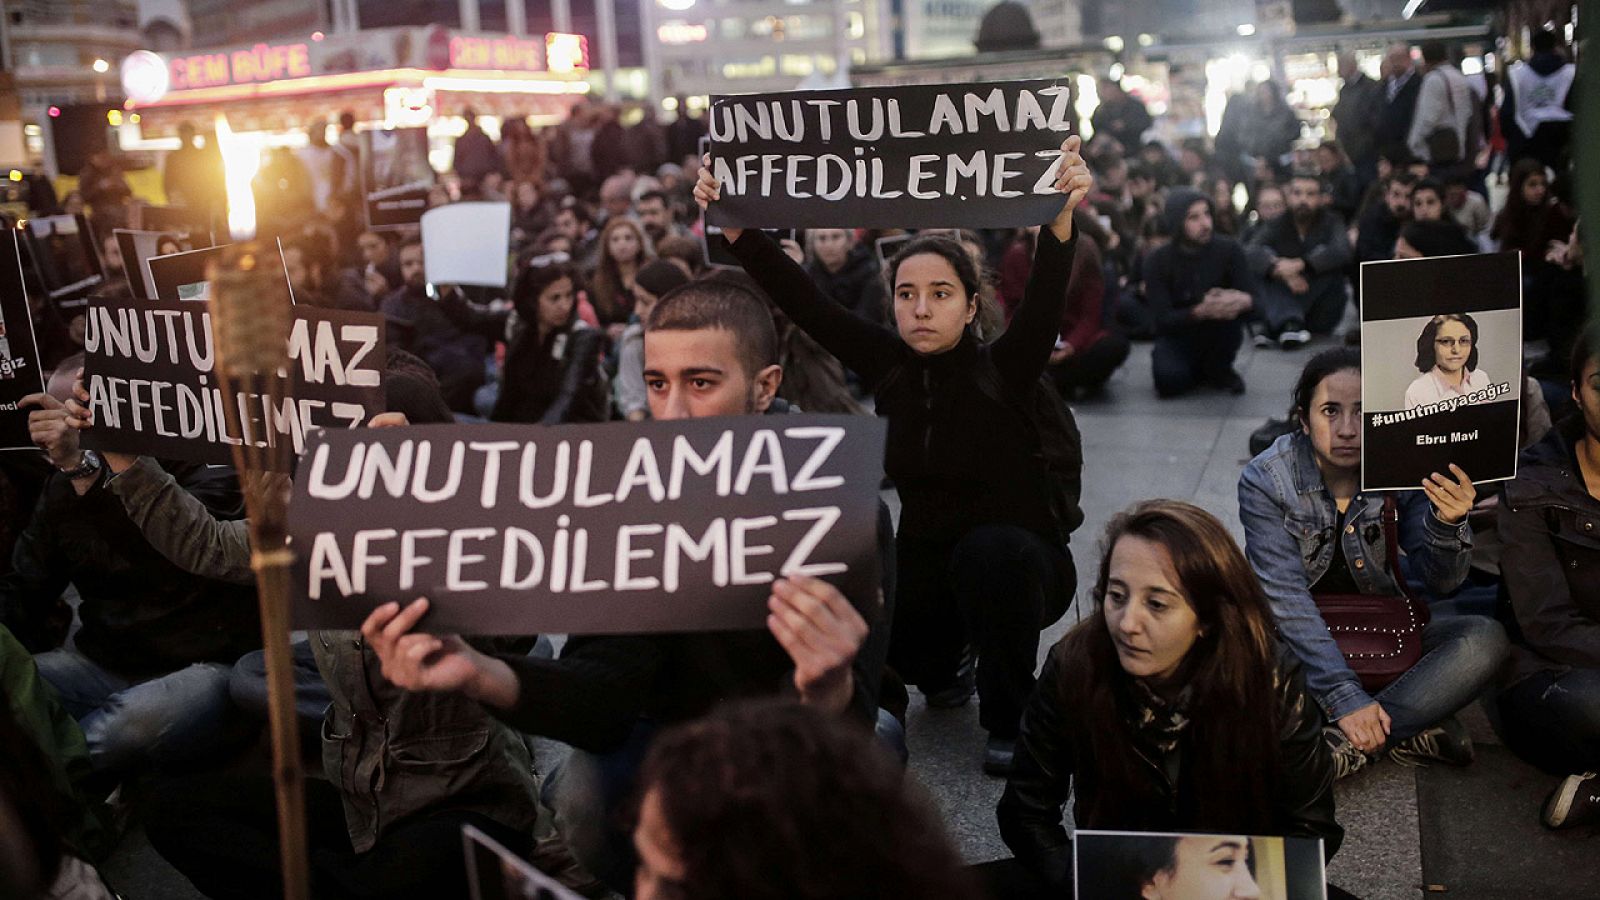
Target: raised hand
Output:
[(1452, 498), (426, 662), (822, 633), (49, 430), (1074, 180), (708, 190)]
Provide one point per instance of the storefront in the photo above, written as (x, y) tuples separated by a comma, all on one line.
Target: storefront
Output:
[(267, 95)]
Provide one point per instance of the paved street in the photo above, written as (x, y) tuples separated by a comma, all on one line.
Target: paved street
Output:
[(1136, 447)]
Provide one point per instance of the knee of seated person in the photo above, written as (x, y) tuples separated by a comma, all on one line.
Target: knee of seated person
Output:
[(247, 683)]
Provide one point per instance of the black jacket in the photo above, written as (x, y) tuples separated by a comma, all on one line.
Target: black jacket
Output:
[(141, 614), (1356, 117), (1049, 768), (554, 381), (1178, 274), (1550, 567), (1394, 117), (856, 286), (958, 458)]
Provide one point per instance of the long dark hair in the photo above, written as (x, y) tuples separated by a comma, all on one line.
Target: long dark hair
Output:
[(772, 799), (1427, 357), (1517, 220), (1231, 771), (534, 275)]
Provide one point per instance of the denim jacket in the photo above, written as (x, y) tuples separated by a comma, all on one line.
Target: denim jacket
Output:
[(1289, 520)]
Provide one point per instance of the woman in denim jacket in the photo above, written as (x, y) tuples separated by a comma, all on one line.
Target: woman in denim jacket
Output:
[(1309, 527)]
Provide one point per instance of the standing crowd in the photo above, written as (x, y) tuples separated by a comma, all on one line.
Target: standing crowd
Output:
[(1203, 690)]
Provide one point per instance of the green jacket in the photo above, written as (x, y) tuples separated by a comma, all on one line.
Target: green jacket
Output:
[(391, 753)]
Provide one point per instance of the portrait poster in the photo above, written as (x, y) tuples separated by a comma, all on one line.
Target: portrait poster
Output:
[(20, 374), (584, 529), (139, 247), (183, 275), (957, 155), (1441, 369), (395, 176), (1127, 865), (495, 873), (67, 261)]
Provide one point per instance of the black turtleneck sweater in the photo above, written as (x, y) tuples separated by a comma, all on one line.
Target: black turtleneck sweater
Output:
[(959, 458)]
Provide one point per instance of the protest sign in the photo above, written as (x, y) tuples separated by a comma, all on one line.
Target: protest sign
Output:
[(150, 369), (182, 275), (66, 259), (395, 176), (139, 247), (1441, 373), (961, 155), (20, 374), (467, 243), (1116, 865), (192, 227), (585, 529), (719, 253), (495, 873)]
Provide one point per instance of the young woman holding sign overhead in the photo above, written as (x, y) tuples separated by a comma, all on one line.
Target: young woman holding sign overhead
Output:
[(982, 554)]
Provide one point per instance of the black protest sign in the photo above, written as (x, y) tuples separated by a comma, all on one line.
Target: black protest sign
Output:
[(139, 247), (969, 156), (150, 369), (64, 255), (395, 176), (192, 227), (20, 374), (1441, 374), (183, 275), (585, 529)]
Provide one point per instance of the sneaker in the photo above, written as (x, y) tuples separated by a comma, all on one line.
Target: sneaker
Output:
[(1575, 801), (1000, 756), (1259, 336), (1446, 742), (1347, 760), (1294, 338), (959, 692)]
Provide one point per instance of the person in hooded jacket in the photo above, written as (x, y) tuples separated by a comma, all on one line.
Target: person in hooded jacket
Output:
[(1196, 288), (552, 369), (982, 552), (1549, 697)]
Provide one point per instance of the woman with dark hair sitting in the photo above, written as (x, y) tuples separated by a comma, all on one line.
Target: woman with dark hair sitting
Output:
[(771, 800), (1309, 529), (982, 549), (552, 368), (1447, 357), (1171, 707)]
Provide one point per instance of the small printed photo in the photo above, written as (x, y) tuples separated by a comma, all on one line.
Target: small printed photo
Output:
[(1144, 865), (1431, 360)]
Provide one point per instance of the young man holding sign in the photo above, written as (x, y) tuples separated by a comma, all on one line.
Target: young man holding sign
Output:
[(710, 350), (982, 548)]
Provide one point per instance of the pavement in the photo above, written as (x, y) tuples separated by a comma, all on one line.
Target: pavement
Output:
[(1135, 447)]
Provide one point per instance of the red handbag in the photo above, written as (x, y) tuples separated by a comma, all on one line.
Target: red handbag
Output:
[(1379, 635)]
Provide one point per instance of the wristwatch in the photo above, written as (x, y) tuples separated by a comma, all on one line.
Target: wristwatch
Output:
[(90, 465)]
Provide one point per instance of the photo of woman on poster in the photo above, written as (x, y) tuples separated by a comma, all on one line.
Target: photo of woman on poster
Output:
[(1447, 357)]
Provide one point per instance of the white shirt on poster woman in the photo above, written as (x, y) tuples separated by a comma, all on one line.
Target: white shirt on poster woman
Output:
[(1431, 387)]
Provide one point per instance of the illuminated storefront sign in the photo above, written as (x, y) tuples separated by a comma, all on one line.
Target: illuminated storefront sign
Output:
[(263, 62), (381, 57)]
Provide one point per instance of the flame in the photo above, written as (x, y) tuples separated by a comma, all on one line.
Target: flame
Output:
[(241, 159)]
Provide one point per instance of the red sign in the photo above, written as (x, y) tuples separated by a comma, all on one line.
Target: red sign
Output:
[(507, 53), (263, 62)]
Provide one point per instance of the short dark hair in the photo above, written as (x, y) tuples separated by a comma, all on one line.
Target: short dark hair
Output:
[(1444, 237), (771, 799), (1400, 177), (948, 249), (682, 247), (653, 195), (1427, 359), (1313, 177), (1318, 368), (1434, 52), (1544, 41), (721, 304), (1429, 184)]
